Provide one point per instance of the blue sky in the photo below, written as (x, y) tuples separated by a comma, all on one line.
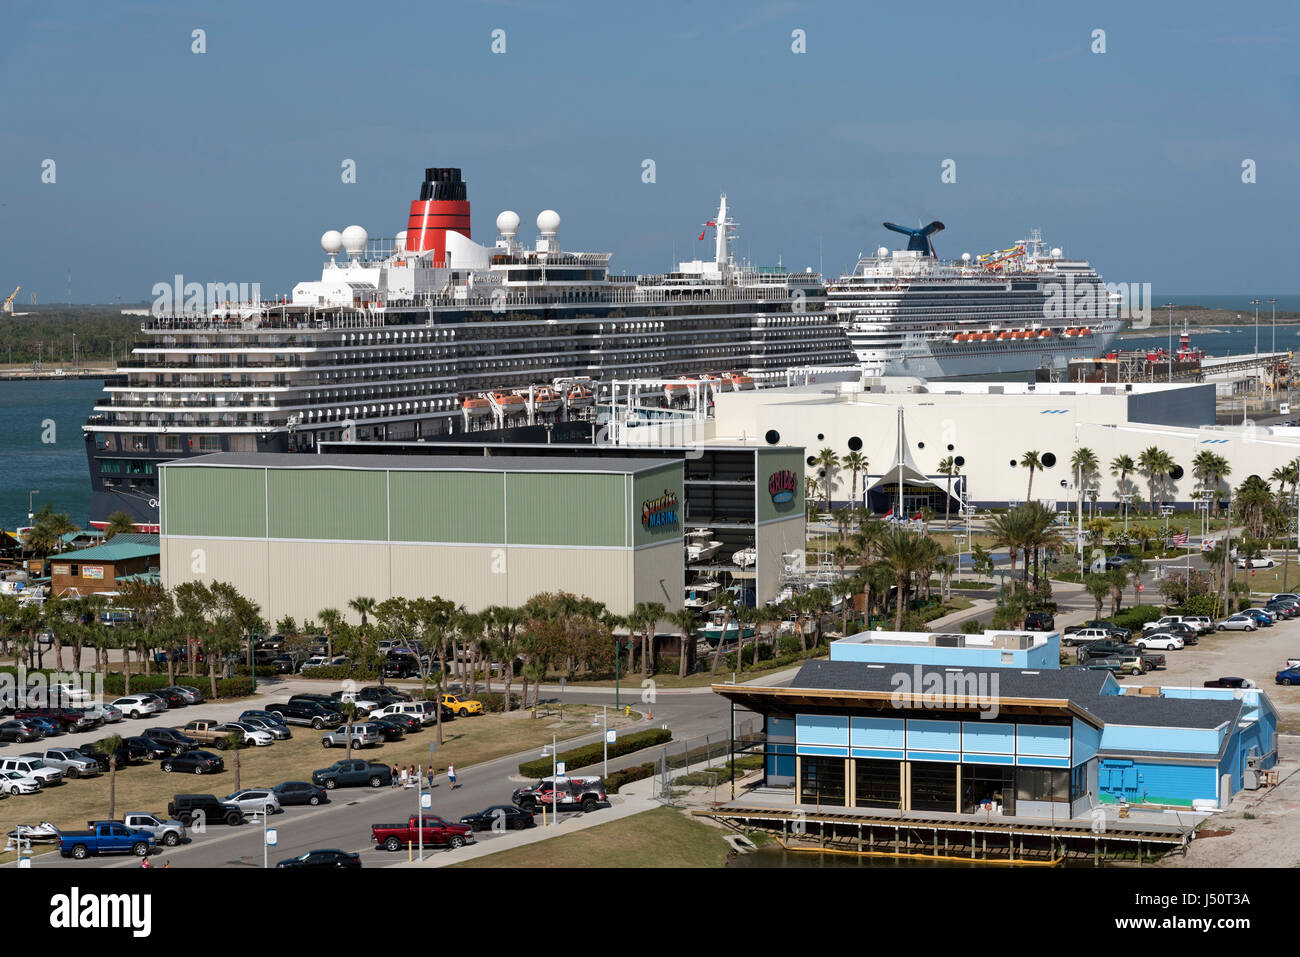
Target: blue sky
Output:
[(225, 166)]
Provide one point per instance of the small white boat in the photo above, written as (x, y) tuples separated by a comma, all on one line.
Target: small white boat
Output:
[(700, 545), (745, 558), (36, 833)]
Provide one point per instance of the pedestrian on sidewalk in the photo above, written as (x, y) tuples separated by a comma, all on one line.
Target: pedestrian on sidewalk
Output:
[(412, 776), (431, 777), (396, 782), (404, 779), (451, 776)]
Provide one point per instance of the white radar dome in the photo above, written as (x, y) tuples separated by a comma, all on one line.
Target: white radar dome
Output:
[(331, 241), (882, 252), (399, 241), (807, 269), (508, 223), (965, 257), (548, 222), (354, 239), (1056, 252)]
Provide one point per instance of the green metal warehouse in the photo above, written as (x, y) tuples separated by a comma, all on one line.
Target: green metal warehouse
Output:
[(298, 533)]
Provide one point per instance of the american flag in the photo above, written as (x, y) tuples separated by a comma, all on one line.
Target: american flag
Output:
[(1180, 538)]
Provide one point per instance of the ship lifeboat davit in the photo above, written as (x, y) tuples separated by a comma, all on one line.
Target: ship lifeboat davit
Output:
[(544, 398), (508, 403), (476, 407), (676, 390), (580, 398), (741, 382)]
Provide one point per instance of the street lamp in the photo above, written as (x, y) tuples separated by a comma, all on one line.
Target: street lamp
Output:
[(31, 516), (1260, 371), (1170, 306), (1273, 303)]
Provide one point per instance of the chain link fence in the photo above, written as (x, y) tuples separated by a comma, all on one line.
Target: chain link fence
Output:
[(700, 754)]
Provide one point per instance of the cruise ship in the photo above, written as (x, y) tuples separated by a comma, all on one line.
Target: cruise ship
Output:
[(430, 333), (1018, 309)]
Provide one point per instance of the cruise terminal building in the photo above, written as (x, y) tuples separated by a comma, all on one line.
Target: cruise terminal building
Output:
[(299, 533)]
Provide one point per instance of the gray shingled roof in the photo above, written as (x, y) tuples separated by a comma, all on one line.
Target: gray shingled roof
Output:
[(460, 463), (1082, 686)]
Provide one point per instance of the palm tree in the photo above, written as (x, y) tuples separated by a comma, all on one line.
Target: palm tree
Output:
[(685, 621), (829, 462), (949, 469), (1098, 587), (1031, 461), (330, 620), (119, 523), (855, 462), (727, 602), (1084, 465), (109, 746), (647, 615), (1155, 464), (349, 710), (1122, 465), (902, 552)]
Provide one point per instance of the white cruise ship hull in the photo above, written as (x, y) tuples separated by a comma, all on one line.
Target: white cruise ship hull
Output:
[(942, 360)]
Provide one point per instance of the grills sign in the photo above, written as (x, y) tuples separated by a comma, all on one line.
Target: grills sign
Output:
[(782, 485), (659, 512)]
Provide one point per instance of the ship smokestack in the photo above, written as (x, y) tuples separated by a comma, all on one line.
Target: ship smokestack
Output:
[(443, 205)]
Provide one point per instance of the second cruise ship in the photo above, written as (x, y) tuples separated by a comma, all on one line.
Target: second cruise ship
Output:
[(1018, 309)]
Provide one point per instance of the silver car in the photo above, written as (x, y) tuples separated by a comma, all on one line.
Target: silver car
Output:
[(255, 800), (188, 693), (278, 731), (363, 735), (1238, 623)]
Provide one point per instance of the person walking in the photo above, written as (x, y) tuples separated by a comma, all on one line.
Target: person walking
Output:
[(397, 778), (451, 776), (404, 779), (144, 862), (412, 776), (431, 777)]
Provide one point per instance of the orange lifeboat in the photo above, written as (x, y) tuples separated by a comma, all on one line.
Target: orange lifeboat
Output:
[(987, 336), (741, 382), (476, 407), (1004, 334), (1071, 332), (1085, 331), (580, 397), (959, 337), (509, 403), (1046, 334)]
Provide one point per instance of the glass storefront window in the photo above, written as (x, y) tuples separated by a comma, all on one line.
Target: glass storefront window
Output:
[(823, 781), (877, 783), (1042, 784), (934, 786), (983, 784)]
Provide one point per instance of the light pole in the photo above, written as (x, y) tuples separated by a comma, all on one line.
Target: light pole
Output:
[(1170, 307), (1273, 303), (31, 516)]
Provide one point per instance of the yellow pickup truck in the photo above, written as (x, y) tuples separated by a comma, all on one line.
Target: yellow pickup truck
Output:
[(461, 706)]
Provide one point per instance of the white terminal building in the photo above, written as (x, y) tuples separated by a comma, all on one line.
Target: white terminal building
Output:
[(904, 427)]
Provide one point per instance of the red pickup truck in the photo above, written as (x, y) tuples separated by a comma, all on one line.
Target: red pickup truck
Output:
[(392, 837)]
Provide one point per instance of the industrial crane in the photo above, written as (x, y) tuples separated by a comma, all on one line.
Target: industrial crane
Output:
[(9, 303)]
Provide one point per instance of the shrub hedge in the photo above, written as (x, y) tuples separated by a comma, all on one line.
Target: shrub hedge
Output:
[(593, 753), (637, 773)]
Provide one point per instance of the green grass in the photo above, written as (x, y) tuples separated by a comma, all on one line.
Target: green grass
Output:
[(663, 837)]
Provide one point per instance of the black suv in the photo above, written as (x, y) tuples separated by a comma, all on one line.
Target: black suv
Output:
[(401, 666), (308, 713), (383, 694), (184, 808), (342, 774), (170, 736), (1040, 621)]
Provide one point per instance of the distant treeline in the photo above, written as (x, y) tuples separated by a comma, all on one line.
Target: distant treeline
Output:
[(102, 332)]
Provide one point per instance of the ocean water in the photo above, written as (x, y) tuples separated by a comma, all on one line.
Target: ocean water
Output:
[(57, 468), (1234, 341)]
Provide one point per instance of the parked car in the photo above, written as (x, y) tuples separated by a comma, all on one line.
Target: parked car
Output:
[(327, 701), (461, 706), (251, 735), (321, 661), (1040, 621), (46, 727), (276, 729), (363, 735), (390, 729), (154, 750), (268, 716), (20, 731), (138, 705), (172, 697), (69, 719), (300, 792), (430, 830), (70, 761), (1262, 618), (1085, 636), (125, 753), (286, 663), (1288, 595), (166, 832), (32, 767), (1264, 562), (562, 793), (183, 742), (1288, 676), (1116, 632), (1283, 609), (401, 666), (1160, 639), (506, 817), (191, 694), (1229, 683), (105, 837), (363, 704), (15, 782), (1238, 623), (324, 858), (306, 712), (195, 762), (207, 808), (383, 694), (209, 732), (255, 800), (353, 773), (104, 713)]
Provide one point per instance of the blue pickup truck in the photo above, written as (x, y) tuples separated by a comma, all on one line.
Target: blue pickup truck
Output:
[(105, 837)]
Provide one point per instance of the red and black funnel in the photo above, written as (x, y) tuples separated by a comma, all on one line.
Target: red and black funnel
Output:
[(443, 205)]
